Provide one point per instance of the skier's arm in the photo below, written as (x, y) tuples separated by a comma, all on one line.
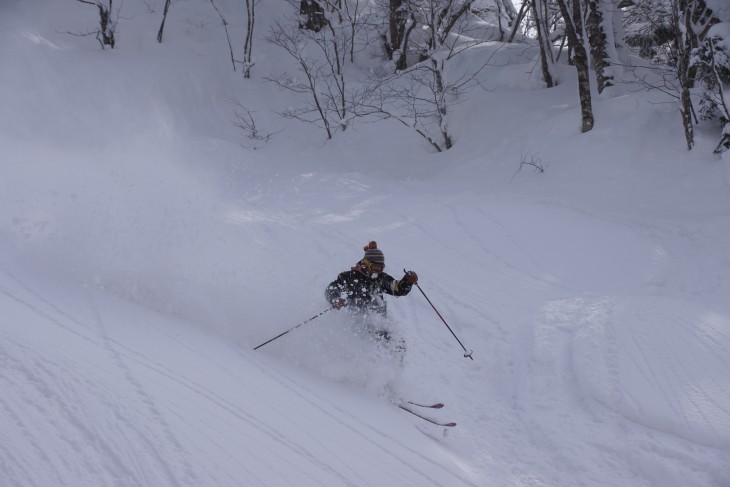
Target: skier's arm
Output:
[(334, 291), (399, 287)]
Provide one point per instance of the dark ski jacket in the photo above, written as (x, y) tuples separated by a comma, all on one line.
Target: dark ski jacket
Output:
[(363, 292)]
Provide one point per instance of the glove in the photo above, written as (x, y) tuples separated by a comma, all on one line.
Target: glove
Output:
[(339, 303), (411, 277)]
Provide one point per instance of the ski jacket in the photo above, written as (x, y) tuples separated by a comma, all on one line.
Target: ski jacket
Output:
[(363, 292)]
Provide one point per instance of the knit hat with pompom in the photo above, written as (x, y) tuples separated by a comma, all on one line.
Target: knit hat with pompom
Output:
[(373, 254)]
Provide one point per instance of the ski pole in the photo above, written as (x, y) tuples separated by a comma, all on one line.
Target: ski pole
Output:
[(467, 353), (295, 327)]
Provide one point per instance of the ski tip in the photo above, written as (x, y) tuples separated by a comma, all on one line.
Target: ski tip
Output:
[(438, 405)]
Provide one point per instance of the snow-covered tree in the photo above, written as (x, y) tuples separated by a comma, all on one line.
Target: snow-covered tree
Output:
[(691, 19), (420, 95), (601, 34), (399, 24), (573, 16), (688, 42), (649, 28), (712, 62), (320, 50), (541, 15), (248, 43)]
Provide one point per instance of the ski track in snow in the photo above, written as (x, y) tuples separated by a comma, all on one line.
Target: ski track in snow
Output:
[(47, 382), (180, 457), (289, 385), (54, 383), (272, 405), (44, 393), (281, 437), (278, 436), (552, 341)]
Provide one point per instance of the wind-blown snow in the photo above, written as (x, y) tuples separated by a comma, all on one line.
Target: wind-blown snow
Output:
[(146, 247)]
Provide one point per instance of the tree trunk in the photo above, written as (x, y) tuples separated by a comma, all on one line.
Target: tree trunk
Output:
[(441, 109), (697, 19), (686, 112), (499, 21), (543, 39), (402, 61), (106, 25), (509, 10), (164, 18), (248, 44), (619, 35), (598, 40), (724, 144), (574, 31), (517, 22), (683, 44), (396, 26)]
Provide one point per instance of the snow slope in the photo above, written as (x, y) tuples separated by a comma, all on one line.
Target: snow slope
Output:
[(107, 393), (146, 247)]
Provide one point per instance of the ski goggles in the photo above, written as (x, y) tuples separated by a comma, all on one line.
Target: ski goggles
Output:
[(373, 267)]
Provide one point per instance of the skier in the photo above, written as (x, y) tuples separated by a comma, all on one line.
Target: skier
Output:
[(361, 290)]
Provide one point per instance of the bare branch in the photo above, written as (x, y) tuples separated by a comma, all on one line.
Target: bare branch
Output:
[(535, 162), (244, 119), (225, 27)]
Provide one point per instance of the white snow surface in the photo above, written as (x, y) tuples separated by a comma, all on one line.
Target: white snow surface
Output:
[(146, 247)]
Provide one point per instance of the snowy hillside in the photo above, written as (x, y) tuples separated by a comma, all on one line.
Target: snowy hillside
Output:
[(147, 246)]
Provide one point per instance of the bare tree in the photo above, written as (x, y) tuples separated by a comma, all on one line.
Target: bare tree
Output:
[(244, 120), (535, 162), (320, 49), (164, 18), (443, 21), (357, 15), (322, 80), (418, 98), (107, 22), (422, 96), (224, 22)]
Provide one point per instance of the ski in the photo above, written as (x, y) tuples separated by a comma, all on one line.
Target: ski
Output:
[(438, 405), (426, 418)]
